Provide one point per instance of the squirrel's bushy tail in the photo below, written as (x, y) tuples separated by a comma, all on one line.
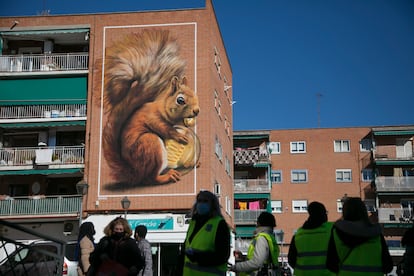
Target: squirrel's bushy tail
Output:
[(137, 69)]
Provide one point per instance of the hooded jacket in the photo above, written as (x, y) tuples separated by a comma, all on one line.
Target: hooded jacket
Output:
[(358, 247)]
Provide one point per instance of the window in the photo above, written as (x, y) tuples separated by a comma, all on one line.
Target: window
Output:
[(216, 101), (343, 175), (276, 206), (370, 204), (227, 165), (276, 176), (218, 149), (342, 146), (217, 189), (274, 147), (339, 205), (367, 175), (298, 147), (299, 176), (228, 205), (299, 206), (365, 145)]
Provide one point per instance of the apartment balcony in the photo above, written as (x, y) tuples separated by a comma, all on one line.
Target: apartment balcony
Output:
[(394, 183), (249, 157), (396, 215), (251, 186), (42, 112), (40, 206), (247, 216), (43, 63), (54, 157)]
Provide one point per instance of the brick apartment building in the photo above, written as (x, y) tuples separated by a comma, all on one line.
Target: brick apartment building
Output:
[(59, 93), (282, 171)]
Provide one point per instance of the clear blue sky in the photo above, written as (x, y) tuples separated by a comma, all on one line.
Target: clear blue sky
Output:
[(357, 54)]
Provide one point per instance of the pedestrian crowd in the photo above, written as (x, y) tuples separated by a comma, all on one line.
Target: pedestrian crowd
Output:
[(352, 245)]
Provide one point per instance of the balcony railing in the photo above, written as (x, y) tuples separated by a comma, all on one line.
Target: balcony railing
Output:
[(44, 62), (395, 215), (48, 112), (251, 186), (250, 156), (40, 206), (10, 157), (247, 216), (394, 183)]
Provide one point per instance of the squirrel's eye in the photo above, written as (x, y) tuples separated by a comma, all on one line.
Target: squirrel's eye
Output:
[(180, 100)]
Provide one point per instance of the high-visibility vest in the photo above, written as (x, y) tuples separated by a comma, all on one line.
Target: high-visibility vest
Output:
[(204, 240), (312, 248), (362, 260), (273, 248)]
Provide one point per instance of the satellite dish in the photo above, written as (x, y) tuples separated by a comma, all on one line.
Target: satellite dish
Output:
[(35, 188)]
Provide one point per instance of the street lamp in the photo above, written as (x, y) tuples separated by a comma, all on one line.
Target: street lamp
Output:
[(125, 202), (82, 187)]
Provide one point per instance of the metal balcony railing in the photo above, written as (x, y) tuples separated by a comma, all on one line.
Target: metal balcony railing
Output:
[(44, 62), (394, 183), (250, 157), (395, 215), (251, 186), (48, 155), (247, 216), (47, 112), (40, 205)]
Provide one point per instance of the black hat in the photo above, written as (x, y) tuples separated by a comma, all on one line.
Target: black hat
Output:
[(266, 219)]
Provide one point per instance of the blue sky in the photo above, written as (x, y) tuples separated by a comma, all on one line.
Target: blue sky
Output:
[(357, 55)]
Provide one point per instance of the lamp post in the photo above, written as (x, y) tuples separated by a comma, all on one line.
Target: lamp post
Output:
[(82, 189), (125, 202), (280, 237)]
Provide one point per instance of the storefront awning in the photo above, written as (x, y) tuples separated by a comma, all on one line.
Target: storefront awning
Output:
[(42, 172)]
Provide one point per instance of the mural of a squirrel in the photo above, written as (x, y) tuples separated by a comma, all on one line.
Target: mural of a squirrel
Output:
[(145, 98)]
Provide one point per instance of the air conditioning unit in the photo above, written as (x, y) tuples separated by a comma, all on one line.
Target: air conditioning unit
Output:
[(68, 228)]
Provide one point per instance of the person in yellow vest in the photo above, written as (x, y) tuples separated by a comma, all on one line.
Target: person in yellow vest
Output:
[(309, 246), (357, 247), (263, 251), (207, 244)]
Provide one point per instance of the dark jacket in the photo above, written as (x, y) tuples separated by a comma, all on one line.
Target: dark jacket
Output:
[(353, 234), (125, 252), (408, 242)]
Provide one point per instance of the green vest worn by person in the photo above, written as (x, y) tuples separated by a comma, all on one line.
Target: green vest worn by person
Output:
[(312, 247), (204, 240), (273, 248), (362, 260)]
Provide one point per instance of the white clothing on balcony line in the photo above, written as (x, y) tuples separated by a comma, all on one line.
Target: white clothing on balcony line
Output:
[(44, 156)]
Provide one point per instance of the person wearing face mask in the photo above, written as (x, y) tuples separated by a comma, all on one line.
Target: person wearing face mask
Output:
[(206, 247), (117, 253)]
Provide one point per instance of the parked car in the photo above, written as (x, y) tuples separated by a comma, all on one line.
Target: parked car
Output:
[(41, 258)]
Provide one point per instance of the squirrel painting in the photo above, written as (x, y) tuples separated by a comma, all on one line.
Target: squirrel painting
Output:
[(148, 102)]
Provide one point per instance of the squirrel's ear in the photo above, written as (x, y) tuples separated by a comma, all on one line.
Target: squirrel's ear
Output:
[(174, 83), (184, 80)]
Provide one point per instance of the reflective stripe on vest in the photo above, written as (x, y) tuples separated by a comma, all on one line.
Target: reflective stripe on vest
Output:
[(364, 259), (312, 246), (203, 240)]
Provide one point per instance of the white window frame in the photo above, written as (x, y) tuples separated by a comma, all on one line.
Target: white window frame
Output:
[(339, 205), (298, 147), (277, 206), (273, 179), (217, 189), (274, 147), (365, 145), (228, 205), (218, 149), (216, 100), (366, 175), (295, 176), (227, 166), (342, 146), (299, 206), (342, 175)]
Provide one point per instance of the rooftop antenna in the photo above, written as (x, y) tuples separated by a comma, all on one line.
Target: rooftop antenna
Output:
[(318, 97)]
